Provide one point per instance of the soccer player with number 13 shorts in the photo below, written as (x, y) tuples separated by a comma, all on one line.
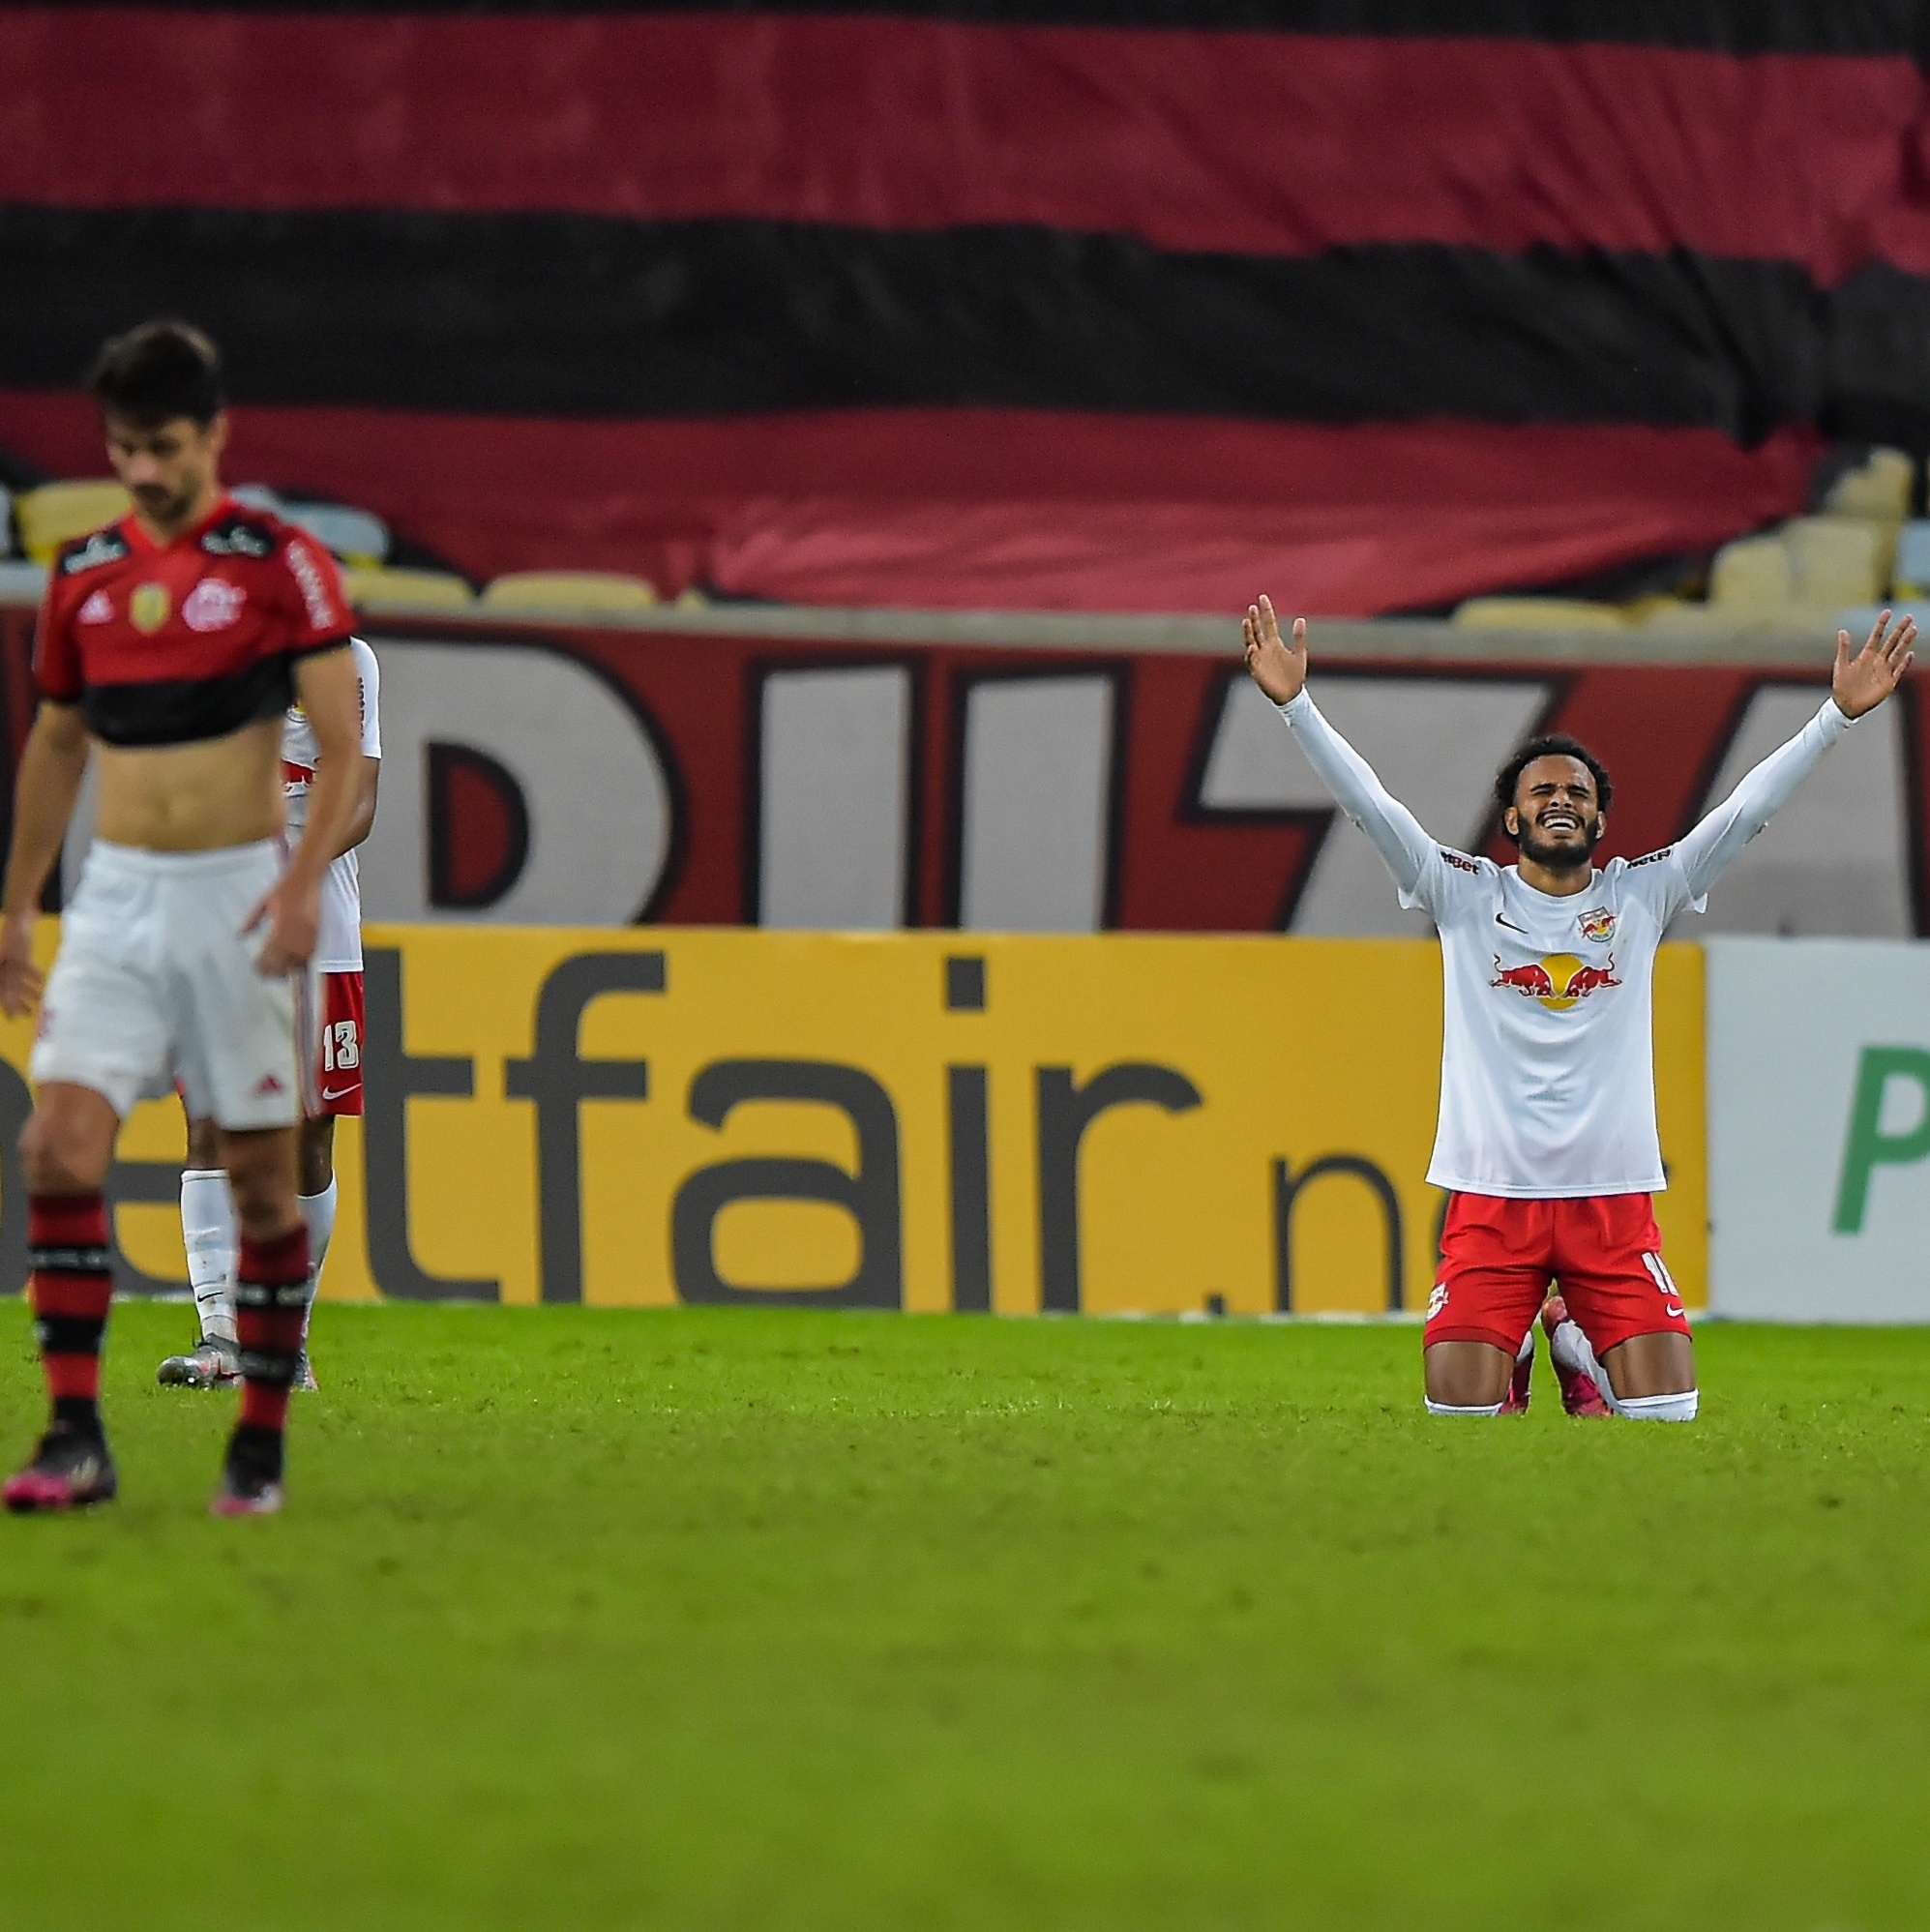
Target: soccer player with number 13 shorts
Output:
[(1547, 1139), (170, 647), (329, 1011)]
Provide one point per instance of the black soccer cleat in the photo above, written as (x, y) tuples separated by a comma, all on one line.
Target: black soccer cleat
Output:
[(208, 1364), (70, 1470), (251, 1475)]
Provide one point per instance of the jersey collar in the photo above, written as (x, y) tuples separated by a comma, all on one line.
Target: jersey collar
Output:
[(135, 531)]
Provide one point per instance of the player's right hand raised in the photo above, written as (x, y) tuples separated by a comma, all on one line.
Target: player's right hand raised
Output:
[(1279, 667), (20, 980)]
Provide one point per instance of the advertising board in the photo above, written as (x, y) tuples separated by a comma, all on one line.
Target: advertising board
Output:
[(1114, 1125), (1819, 1130)]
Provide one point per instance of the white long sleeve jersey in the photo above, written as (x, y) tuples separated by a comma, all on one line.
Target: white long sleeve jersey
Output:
[(1547, 1066)]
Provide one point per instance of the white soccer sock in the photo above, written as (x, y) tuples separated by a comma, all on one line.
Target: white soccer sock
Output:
[(1570, 1347), (1660, 1408), (318, 1211), (1527, 1349), (207, 1232), (1435, 1408)]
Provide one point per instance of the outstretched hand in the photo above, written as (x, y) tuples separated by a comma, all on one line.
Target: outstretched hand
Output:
[(1863, 682), (1279, 667)]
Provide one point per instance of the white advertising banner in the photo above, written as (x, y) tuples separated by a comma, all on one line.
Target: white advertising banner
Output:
[(1819, 1129)]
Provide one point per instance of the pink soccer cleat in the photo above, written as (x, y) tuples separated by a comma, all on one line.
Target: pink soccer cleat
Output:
[(1579, 1394), (70, 1470)]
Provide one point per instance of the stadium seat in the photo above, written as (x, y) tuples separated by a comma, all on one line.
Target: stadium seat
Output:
[(47, 517), (1911, 573), (1836, 559), (1878, 490), (1537, 613), (568, 590), (21, 582), (1752, 576), (406, 590), (356, 536)]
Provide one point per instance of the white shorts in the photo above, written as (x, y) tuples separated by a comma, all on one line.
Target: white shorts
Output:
[(155, 978)]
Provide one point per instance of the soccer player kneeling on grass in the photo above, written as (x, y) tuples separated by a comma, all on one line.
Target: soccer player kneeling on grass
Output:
[(170, 644), (1547, 1140)]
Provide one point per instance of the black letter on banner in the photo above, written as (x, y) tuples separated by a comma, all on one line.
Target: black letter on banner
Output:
[(1065, 1113), (391, 1077), (16, 1103), (971, 1189), (560, 1081), (870, 1196), (142, 1185), (1287, 1191)]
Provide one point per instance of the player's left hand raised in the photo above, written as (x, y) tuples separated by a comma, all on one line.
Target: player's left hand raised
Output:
[(1863, 682), (292, 914)]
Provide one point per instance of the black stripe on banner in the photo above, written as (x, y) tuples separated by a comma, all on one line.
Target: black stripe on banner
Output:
[(1735, 26), (582, 316)]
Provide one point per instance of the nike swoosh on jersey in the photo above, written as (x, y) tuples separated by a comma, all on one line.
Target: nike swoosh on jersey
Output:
[(1674, 1310), (1502, 919)]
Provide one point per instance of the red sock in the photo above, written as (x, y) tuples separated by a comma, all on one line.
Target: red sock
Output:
[(271, 1297), (67, 1241)]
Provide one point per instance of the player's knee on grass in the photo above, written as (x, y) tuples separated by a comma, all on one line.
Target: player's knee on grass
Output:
[(1678, 1407), (1467, 1377)]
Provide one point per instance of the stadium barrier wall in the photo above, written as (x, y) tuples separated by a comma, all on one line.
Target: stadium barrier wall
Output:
[(1114, 1124), (604, 776), (1819, 1130)]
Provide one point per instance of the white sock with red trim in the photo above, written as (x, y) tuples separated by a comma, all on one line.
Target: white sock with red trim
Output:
[(1660, 1408), (208, 1233), (1435, 1408), (318, 1211)]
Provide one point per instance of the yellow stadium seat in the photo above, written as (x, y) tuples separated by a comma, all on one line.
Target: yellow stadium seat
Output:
[(1751, 577), (406, 590), (1837, 559), (56, 512), (1879, 490), (568, 590), (1537, 613)]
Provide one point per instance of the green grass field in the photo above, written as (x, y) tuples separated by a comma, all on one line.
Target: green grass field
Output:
[(722, 1619)]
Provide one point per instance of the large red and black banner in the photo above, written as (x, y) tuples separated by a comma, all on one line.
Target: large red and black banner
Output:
[(606, 777), (1075, 303)]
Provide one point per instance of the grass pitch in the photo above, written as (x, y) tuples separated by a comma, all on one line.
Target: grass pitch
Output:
[(722, 1619)]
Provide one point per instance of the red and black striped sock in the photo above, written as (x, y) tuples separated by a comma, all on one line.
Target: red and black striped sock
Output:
[(66, 1242), (271, 1297)]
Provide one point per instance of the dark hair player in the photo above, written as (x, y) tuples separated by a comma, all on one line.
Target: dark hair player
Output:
[(1547, 1140), (170, 644)]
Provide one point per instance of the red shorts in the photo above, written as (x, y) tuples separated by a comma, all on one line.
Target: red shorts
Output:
[(332, 1021), (1499, 1257)]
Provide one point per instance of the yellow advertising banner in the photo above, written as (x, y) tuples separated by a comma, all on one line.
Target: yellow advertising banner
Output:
[(919, 1120)]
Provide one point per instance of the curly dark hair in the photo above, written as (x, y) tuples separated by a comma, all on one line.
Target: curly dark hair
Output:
[(1556, 744), (157, 373)]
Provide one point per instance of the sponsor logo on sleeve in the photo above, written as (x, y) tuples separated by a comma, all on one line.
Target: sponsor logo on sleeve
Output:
[(1598, 926), (322, 613), (213, 604), (1651, 858), (1460, 861)]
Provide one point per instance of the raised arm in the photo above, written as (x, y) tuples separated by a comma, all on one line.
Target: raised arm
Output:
[(1280, 669), (1859, 684)]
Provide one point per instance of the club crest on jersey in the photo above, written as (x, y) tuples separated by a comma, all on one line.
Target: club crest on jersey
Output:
[(1598, 926), (148, 608), (98, 609), (1558, 980), (213, 604)]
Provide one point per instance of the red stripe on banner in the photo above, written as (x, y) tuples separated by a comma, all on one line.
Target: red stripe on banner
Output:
[(1008, 508), (1251, 143)]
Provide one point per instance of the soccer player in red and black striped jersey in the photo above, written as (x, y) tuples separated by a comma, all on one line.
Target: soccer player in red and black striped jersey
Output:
[(170, 645)]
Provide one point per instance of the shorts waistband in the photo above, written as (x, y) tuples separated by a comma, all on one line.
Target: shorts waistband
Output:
[(142, 861)]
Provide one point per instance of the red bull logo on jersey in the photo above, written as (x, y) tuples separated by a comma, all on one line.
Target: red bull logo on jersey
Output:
[(1598, 926), (1558, 980)]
